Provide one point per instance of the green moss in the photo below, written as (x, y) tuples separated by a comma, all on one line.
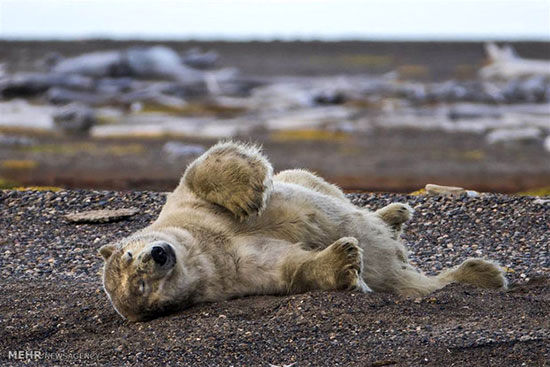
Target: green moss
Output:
[(7, 184), (38, 188), (541, 191)]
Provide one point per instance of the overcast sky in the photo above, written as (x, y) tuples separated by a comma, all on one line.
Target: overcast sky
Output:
[(276, 19)]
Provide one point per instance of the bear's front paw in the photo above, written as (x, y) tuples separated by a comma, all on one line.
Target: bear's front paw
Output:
[(395, 213)]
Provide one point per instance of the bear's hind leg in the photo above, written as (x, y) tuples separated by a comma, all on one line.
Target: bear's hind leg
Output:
[(477, 272), (337, 267)]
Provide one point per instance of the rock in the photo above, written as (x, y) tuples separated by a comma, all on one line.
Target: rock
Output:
[(448, 91), (101, 216), (160, 62), (49, 61), (432, 189), (58, 95), (33, 84), (239, 86), (162, 125), (198, 59), (546, 144), (21, 114), (289, 94), (540, 201), (280, 97), (94, 64), (511, 135), (116, 85), (175, 149), (147, 94), (75, 119), (473, 111), (140, 62), (152, 96), (329, 98), (17, 141), (307, 118), (535, 89)]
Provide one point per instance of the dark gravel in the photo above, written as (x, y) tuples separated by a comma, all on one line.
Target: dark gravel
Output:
[(52, 301)]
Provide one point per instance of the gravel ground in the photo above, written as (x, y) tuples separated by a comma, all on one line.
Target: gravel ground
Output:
[(53, 303)]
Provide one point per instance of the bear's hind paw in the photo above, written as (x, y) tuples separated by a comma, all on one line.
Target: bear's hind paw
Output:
[(346, 258)]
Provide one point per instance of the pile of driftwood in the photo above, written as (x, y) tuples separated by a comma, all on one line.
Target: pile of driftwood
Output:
[(135, 74), (125, 78), (128, 79)]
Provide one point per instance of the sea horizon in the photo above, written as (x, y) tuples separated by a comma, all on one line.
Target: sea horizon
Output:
[(244, 39)]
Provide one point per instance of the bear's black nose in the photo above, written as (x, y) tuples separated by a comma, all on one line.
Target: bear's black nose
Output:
[(159, 255)]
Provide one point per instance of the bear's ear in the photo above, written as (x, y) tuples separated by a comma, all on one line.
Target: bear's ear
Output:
[(106, 251)]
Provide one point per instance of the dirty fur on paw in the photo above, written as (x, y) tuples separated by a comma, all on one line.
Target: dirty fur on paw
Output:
[(347, 256), (101, 215), (395, 213), (235, 176)]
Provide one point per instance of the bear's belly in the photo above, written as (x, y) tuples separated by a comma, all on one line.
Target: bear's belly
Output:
[(297, 214)]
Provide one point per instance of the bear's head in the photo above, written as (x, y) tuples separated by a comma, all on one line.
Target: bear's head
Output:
[(142, 276)]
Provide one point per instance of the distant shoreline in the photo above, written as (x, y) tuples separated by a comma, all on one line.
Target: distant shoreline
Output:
[(439, 60), (239, 40)]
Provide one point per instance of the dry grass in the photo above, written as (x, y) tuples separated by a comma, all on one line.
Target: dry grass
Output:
[(195, 110), (413, 72), (19, 164), (309, 135), (366, 60), (541, 191), (38, 188), (418, 192), (90, 148), (465, 71), (473, 155), (27, 131)]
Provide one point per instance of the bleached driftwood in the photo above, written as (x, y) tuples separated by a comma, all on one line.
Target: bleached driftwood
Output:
[(506, 64)]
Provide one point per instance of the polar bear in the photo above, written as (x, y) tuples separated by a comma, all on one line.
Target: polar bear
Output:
[(231, 228)]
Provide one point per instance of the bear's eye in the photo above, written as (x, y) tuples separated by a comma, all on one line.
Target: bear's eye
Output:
[(141, 286), (127, 258)]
